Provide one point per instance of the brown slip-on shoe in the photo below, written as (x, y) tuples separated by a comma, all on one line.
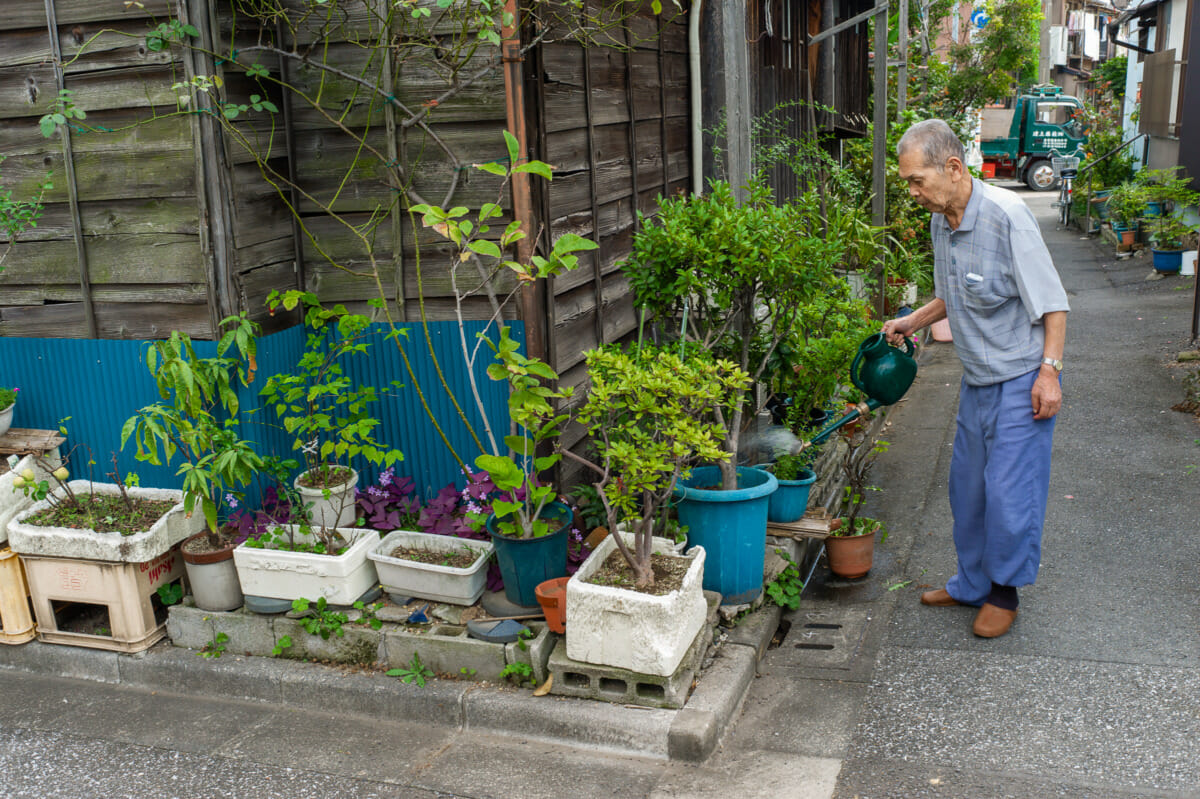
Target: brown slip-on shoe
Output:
[(939, 599), (993, 622)]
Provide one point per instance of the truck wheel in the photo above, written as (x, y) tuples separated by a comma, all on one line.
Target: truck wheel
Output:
[(1040, 176)]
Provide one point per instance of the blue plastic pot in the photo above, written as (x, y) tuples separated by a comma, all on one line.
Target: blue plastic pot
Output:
[(731, 526), (526, 562), (1168, 261), (790, 500)]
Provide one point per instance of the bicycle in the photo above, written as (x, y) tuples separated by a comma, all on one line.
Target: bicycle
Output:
[(1066, 169)]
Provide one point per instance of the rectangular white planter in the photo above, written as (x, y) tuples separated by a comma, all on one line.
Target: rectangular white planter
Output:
[(280, 574), (66, 542), (627, 629), (429, 580), (13, 501)]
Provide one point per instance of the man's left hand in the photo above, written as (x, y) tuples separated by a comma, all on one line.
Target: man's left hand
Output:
[(1046, 395)]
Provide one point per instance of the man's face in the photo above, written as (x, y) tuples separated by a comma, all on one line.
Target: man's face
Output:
[(931, 188)]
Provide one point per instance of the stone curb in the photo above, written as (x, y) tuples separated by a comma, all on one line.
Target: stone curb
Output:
[(690, 733)]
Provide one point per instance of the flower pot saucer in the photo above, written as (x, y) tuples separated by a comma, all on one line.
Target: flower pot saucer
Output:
[(497, 604), (269, 606)]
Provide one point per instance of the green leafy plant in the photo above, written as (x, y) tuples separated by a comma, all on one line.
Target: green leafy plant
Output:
[(415, 673), (214, 648), (856, 465), (8, 397), (785, 589), (170, 594), (1126, 203), (64, 111), (791, 467), (1172, 193), (519, 673), (283, 644), (368, 617), (19, 216), (319, 404), (319, 619), (523, 636), (198, 420), (651, 414)]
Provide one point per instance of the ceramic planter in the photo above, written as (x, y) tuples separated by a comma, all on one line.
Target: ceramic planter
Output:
[(282, 574), (6, 417), (212, 577), (731, 526), (627, 629), (851, 556), (67, 542), (552, 596), (429, 580), (1168, 262), (526, 562), (336, 511)]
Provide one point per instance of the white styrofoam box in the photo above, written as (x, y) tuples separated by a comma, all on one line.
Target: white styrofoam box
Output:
[(283, 574), (619, 627), (13, 500), (430, 580), (67, 542)]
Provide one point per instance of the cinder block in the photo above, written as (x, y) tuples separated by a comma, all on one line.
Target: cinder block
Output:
[(190, 627), (357, 644), (536, 652), (249, 633), (446, 649)]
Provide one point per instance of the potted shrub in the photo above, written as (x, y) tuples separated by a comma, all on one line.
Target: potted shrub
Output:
[(850, 548), (1125, 206), (1167, 191), (217, 463), (8, 403), (649, 415), (325, 411), (790, 500), (527, 524)]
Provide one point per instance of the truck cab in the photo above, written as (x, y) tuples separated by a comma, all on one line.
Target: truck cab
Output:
[(1018, 141)]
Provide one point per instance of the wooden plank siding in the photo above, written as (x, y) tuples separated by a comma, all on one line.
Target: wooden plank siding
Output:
[(119, 244)]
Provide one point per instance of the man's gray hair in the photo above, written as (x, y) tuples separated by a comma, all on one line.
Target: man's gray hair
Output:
[(934, 139)]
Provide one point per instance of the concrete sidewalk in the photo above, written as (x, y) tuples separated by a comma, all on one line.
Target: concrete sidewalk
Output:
[(868, 694)]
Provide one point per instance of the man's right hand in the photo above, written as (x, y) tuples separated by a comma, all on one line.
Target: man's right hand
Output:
[(896, 330)]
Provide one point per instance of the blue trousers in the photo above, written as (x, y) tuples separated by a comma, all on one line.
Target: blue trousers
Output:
[(999, 480)]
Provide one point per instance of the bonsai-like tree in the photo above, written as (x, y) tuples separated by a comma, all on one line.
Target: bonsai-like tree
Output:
[(650, 414)]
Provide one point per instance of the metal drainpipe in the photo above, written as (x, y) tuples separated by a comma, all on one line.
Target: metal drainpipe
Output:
[(697, 101), (514, 102)]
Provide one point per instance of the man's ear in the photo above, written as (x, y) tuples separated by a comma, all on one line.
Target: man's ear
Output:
[(957, 168)]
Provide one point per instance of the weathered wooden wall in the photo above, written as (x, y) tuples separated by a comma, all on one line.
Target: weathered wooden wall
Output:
[(117, 253)]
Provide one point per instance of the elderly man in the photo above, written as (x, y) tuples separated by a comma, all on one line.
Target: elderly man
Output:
[(995, 283)]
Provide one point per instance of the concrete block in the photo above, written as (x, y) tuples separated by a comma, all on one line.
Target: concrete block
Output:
[(357, 644), (189, 627), (512, 713), (249, 633), (57, 660), (230, 676), (438, 703), (697, 728), (611, 684), (756, 630), (446, 649), (536, 651)]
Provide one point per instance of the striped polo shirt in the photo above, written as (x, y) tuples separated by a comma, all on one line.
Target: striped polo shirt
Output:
[(997, 279)]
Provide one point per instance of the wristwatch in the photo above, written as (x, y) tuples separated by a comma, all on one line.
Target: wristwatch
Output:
[(1055, 362)]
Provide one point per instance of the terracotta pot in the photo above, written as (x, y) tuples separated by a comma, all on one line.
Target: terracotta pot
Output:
[(850, 556), (552, 596)]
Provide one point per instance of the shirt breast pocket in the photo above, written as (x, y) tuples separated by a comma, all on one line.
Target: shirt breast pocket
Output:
[(984, 296)]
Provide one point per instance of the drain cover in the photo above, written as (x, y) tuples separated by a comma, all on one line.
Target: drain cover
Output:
[(824, 638)]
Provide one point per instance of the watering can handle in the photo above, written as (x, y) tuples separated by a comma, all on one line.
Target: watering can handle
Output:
[(854, 365), (908, 346)]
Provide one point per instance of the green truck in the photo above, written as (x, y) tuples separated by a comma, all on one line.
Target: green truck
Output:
[(1019, 141)]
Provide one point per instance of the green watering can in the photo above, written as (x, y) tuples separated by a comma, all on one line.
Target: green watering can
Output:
[(882, 372)]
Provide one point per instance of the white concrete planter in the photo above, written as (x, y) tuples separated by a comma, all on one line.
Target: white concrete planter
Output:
[(6, 416), (280, 574), (65, 542), (14, 501), (336, 511), (430, 580), (630, 630)]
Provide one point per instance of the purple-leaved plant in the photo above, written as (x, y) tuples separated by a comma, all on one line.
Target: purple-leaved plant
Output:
[(389, 504)]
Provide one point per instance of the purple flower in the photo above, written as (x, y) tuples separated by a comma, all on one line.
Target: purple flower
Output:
[(231, 500)]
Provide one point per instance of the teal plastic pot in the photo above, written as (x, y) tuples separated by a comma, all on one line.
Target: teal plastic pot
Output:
[(526, 562), (731, 526), (790, 500), (1168, 261)]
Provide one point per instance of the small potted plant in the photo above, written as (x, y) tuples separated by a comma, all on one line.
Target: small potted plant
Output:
[(1171, 194), (790, 500), (320, 405), (649, 416), (8, 403), (527, 524), (850, 548), (198, 421), (1125, 206)]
